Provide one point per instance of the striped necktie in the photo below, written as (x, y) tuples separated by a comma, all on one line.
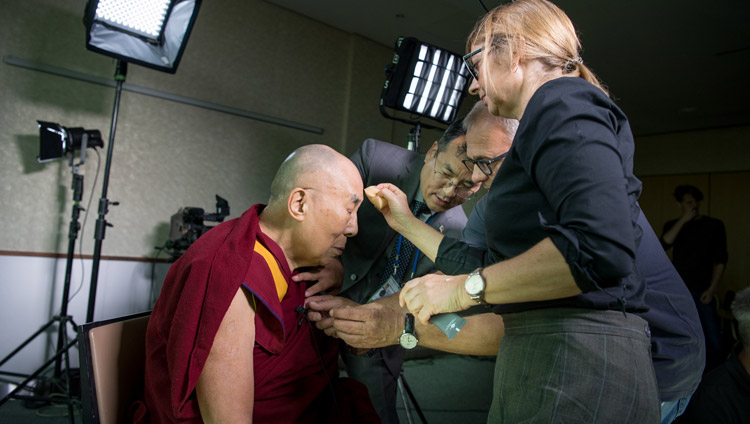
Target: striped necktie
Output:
[(401, 256)]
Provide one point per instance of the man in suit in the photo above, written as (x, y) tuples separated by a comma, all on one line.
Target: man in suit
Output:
[(377, 262)]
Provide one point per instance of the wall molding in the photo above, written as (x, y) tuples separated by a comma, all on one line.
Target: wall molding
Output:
[(93, 79), (64, 256)]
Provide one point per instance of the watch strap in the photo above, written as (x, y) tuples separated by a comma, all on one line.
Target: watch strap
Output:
[(409, 324)]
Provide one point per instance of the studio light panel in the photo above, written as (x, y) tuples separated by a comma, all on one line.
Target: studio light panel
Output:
[(150, 33), (143, 17), (425, 80)]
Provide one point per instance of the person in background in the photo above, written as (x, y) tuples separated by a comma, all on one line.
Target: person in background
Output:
[(699, 245)]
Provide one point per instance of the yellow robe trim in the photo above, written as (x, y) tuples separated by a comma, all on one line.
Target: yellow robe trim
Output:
[(278, 277)]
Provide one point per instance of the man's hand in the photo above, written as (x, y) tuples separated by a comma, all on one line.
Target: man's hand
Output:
[(329, 278), (433, 294), (707, 296), (688, 214), (368, 326), (318, 308)]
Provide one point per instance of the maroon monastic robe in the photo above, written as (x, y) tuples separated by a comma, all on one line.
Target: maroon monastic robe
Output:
[(295, 365)]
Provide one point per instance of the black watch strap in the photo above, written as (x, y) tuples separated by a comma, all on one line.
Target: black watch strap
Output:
[(409, 324)]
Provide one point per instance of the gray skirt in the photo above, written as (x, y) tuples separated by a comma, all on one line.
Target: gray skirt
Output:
[(565, 365)]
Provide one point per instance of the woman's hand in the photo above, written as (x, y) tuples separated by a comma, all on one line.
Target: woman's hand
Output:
[(434, 294), (396, 210)]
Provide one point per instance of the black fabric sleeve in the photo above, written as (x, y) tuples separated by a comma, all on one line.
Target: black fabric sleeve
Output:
[(667, 226), (720, 244), (455, 257), (575, 159)]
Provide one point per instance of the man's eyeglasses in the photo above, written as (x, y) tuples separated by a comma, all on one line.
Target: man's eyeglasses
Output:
[(470, 65), (447, 181), (484, 165)]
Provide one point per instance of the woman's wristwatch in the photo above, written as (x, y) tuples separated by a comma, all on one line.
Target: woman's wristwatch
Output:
[(475, 285)]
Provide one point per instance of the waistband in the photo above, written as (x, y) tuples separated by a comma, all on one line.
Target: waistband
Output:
[(561, 320)]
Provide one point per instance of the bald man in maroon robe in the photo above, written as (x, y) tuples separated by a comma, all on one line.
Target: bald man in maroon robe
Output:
[(228, 339)]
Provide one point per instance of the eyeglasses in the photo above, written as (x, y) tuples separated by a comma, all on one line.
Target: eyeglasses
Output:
[(447, 181), (484, 165), (469, 65)]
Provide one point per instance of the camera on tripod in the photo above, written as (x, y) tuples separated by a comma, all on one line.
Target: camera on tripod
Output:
[(187, 225)]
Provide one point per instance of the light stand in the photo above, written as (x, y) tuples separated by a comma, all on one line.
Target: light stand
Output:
[(63, 319), (151, 34), (101, 222)]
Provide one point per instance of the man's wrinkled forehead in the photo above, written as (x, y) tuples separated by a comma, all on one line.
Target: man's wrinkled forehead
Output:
[(477, 143), (456, 147)]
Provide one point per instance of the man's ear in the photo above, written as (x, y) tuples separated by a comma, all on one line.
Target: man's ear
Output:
[(432, 153), (297, 204)]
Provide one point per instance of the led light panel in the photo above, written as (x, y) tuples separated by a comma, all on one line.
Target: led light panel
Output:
[(425, 80), (144, 17)]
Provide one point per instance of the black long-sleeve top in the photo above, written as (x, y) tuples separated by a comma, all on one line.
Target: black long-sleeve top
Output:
[(700, 244), (569, 177)]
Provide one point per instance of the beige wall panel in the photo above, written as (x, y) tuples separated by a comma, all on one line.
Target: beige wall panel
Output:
[(248, 55), (715, 150)]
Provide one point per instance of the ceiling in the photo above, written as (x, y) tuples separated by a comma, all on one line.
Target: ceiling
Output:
[(671, 65)]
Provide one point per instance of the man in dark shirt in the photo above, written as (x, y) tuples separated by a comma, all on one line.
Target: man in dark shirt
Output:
[(724, 394), (700, 256)]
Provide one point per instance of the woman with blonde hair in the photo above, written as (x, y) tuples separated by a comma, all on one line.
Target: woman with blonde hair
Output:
[(561, 231)]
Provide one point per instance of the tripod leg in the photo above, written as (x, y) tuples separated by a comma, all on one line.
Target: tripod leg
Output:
[(68, 398), (33, 336), (402, 380), (405, 401), (37, 372)]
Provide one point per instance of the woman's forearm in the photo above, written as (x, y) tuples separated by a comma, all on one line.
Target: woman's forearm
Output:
[(540, 273)]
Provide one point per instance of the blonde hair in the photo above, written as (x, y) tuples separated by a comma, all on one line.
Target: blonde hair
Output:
[(533, 29)]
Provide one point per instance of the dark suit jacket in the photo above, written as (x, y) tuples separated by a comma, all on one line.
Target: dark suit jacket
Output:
[(366, 254)]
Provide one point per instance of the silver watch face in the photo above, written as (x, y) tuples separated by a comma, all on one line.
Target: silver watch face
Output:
[(474, 284), (408, 341)]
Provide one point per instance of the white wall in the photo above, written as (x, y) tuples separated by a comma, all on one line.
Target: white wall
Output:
[(31, 290)]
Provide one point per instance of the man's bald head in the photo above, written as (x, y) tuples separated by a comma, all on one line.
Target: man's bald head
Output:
[(306, 166), (313, 205)]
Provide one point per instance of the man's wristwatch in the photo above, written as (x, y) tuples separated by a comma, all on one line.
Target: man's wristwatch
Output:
[(475, 286), (408, 339)]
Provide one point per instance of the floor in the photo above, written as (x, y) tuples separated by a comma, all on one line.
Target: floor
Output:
[(447, 388)]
